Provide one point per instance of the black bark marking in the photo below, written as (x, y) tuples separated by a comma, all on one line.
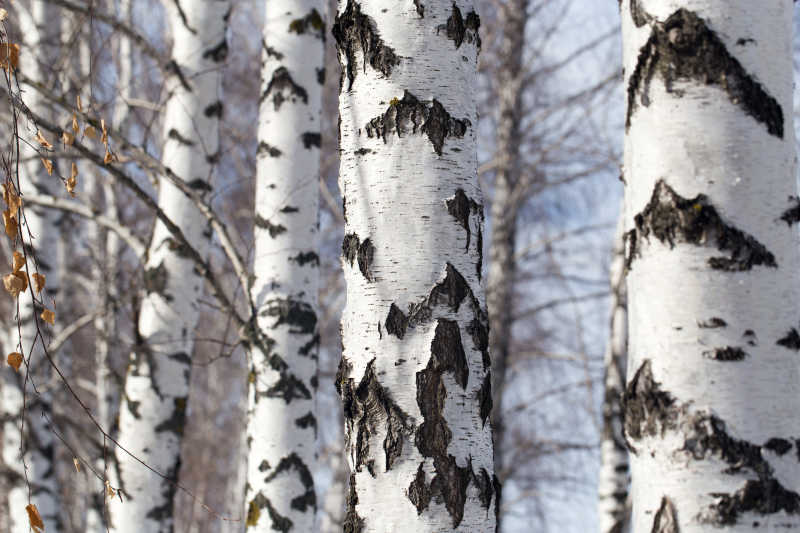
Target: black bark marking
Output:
[(264, 148), (685, 48), (283, 88), (459, 29), (270, 51), (298, 315), (355, 32), (352, 522), (479, 331), (713, 322), (791, 340), (420, 8), (461, 207), (307, 421), (411, 115), (175, 135), (666, 519), (289, 209), (311, 140), (750, 335), (350, 247), (479, 246), (485, 397), (311, 23), (320, 75), (792, 215), (305, 258), (289, 388), (447, 352), (778, 445), (218, 53), (184, 19), (649, 411), (672, 218), (761, 497), (173, 68), (310, 348), (155, 280), (257, 505), (362, 151), (294, 462), (361, 252), (726, 353), (177, 419), (214, 110), (418, 491), (200, 184), (639, 15), (368, 407), (273, 229), (396, 322), (483, 481)]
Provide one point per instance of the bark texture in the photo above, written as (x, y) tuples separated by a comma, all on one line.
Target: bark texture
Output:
[(712, 393), (613, 502), (415, 371), (153, 410), (281, 418)]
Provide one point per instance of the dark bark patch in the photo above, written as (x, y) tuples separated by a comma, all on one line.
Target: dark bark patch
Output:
[(396, 322), (155, 280), (483, 481), (299, 316), (355, 32), (289, 209), (288, 387), (184, 19), (666, 519), (306, 258), (461, 207), (367, 408), (458, 29), (214, 110), (352, 522), (711, 323), (311, 24), (485, 397), (176, 136), (757, 496), (350, 247), (778, 445), (420, 7), (311, 140), (172, 67), (361, 252), (418, 491), (200, 184), (684, 48), (479, 247), (283, 88), (362, 151), (255, 508), (270, 51), (218, 53), (293, 464), (649, 411), (726, 353), (264, 148), (273, 229), (478, 329), (792, 215), (447, 352), (320, 75), (412, 116), (177, 419), (791, 340), (638, 14), (672, 218), (307, 421), (310, 348)]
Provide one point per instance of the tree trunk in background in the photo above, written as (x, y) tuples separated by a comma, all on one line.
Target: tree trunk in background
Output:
[(281, 419), (613, 505), (154, 406), (713, 388), (414, 375), (37, 440), (502, 263)]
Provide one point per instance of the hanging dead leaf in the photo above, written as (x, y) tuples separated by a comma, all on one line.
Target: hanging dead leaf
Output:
[(78, 102), (49, 317), (75, 127), (41, 140), (104, 138), (48, 165), (9, 55), (14, 359), (109, 157), (19, 261), (38, 282), (67, 138), (34, 518), (72, 181), (10, 223), (90, 131), (110, 492), (3, 14), (77, 464), (15, 283), (11, 198)]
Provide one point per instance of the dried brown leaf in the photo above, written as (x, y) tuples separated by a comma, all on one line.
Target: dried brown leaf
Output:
[(49, 317), (38, 281), (48, 165), (90, 131), (9, 55), (10, 223), (41, 140), (15, 283), (14, 359), (19, 261), (78, 102), (75, 127), (77, 464), (67, 138), (34, 518)]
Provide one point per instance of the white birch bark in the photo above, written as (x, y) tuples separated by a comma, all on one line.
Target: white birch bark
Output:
[(613, 509), (414, 375), (154, 406), (37, 439), (281, 418), (712, 396)]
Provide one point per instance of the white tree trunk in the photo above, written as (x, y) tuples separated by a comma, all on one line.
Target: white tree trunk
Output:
[(154, 406), (37, 439), (613, 502), (281, 418), (713, 384), (414, 375)]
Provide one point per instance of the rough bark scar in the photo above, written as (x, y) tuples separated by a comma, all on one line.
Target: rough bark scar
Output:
[(273, 229), (298, 315), (684, 48), (461, 207), (293, 463), (368, 408), (792, 215), (791, 340), (666, 519), (411, 115), (726, 353), (283, 88), (353, 249), (649, 411), (264, 148), (459, 29), (352, 522), (356, 32), (672, 218), (311, 24)]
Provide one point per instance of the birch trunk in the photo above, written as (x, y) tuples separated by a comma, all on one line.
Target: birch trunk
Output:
[(613, 502), (153, 410), (281, 418), (713, 387), (37, 440), (502, 265), (414, 375)]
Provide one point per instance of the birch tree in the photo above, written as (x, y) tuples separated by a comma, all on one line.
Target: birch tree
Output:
[(281, 418), (613, 508), (711, 202), (153, 410), (415, 371)]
